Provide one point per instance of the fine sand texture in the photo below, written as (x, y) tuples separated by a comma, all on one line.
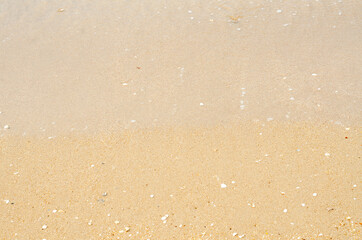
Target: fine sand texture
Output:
[(252, 181), (180, 119)]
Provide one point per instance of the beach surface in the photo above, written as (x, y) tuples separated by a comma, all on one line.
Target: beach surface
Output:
[(180, 119)]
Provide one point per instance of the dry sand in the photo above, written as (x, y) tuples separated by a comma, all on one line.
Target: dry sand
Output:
[(180, 119), (282, 181)]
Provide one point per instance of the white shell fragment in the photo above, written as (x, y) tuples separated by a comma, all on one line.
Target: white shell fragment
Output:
[(164, 217)]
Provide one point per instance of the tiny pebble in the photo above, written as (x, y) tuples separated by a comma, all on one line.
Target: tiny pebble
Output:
[(44, 227), (6, 127), (314, 194), (164, 217), (285, 210), (223, 185)]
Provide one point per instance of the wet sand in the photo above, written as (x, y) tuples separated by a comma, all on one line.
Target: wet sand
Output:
[(180, 120), (101, 65)]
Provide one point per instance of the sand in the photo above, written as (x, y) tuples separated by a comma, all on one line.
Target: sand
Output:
[(180, 119), (254, 181)]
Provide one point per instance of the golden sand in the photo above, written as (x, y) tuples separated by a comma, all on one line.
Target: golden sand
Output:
[(248, 181)]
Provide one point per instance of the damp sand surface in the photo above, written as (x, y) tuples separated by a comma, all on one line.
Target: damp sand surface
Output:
[(114, 64)]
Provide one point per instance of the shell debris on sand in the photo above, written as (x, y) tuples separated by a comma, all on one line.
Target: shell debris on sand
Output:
[(164, 218), (163, 95)]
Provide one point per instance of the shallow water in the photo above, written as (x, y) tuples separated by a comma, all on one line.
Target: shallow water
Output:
[(112, 65)]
